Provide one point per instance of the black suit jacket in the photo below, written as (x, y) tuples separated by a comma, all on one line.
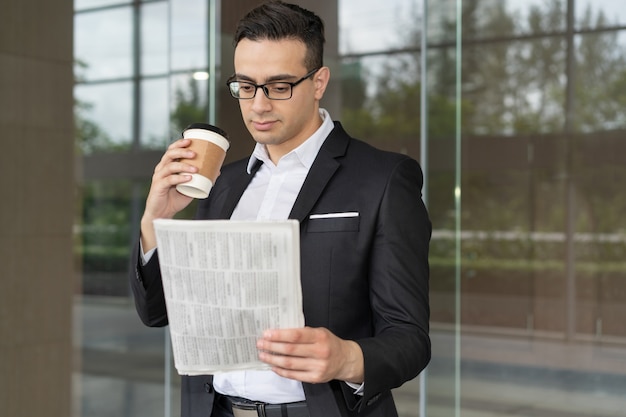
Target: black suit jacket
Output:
[(365, 278)]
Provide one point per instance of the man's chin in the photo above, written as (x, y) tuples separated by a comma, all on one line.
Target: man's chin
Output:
[(264, 138)]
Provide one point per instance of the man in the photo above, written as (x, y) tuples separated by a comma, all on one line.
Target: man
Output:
[(363, 227)]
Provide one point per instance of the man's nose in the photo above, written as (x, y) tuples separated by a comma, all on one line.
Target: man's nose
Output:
[(260, 101)]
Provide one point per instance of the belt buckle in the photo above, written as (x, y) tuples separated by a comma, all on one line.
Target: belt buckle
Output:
[(241, 412), (248, 410)]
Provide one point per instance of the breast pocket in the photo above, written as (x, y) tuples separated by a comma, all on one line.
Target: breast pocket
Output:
[(333, 222)]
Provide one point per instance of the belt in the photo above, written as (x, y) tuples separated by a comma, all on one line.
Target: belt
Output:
[(246, 408)]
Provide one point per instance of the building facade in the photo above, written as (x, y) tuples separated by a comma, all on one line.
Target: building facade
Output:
[(516, 110)]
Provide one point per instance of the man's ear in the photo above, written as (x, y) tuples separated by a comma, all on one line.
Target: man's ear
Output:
[(321, 79)]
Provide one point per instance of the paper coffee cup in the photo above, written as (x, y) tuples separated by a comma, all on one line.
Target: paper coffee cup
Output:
[(210, 144)]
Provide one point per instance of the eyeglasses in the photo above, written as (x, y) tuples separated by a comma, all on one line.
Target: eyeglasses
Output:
[(275, 90)]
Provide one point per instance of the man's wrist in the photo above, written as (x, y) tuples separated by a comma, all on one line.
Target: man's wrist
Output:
[(355, 368), (148, 236)]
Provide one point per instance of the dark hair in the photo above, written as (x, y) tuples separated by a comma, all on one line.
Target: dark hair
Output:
[(277, 20)]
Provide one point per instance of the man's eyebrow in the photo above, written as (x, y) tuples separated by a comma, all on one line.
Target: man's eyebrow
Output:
[(279, 77)]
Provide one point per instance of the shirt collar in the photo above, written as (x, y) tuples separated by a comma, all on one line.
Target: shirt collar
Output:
[(306, 152)]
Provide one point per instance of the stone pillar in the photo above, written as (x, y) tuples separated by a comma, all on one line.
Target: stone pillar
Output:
[(37, 207)]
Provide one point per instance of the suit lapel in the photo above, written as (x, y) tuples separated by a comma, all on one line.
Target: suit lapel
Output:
[(236, 191), (322, 170)]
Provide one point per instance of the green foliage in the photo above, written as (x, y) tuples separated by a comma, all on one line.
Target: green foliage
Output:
[(190, 107), (90, 137), (512, 86)]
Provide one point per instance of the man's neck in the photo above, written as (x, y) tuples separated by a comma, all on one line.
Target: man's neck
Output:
[(276, 152)]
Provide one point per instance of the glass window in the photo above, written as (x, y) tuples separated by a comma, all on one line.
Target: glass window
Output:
[(380, 98), (487, 19), (376, 26), (188, 103), (514, 87), (600, 78), (441, 18), (123, 362), (121, 359), (534, 267), (105, 229), (90, 4), (107, 113), (533, 16), (103, 43), (154, 39), (600, 13), (530, 277), (528, 286), (189, 29), (155, 132)]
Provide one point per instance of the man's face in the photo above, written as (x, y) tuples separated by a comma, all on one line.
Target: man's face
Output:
[(282, 125)]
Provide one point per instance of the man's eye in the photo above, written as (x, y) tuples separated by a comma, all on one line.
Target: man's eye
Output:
[(246, 88), (279, 88)]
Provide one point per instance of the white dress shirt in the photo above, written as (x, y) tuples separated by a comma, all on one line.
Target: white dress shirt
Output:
[(270, 196)]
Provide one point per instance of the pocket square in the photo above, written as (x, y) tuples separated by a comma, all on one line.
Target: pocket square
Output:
[(334, 215), (347, 221)]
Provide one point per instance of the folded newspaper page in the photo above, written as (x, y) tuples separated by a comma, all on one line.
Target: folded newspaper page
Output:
[(225, 282)]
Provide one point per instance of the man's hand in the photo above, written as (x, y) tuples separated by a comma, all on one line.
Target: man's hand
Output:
[(163, 200), (313, 355)]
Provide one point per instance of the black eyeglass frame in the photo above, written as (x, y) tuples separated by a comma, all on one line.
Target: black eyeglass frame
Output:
[(265, 89)]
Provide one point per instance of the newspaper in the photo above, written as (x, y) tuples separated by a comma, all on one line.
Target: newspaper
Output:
[(225, 282)]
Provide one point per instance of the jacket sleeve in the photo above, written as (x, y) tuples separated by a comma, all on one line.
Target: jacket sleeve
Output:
[(399, 273), (147, 288)]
